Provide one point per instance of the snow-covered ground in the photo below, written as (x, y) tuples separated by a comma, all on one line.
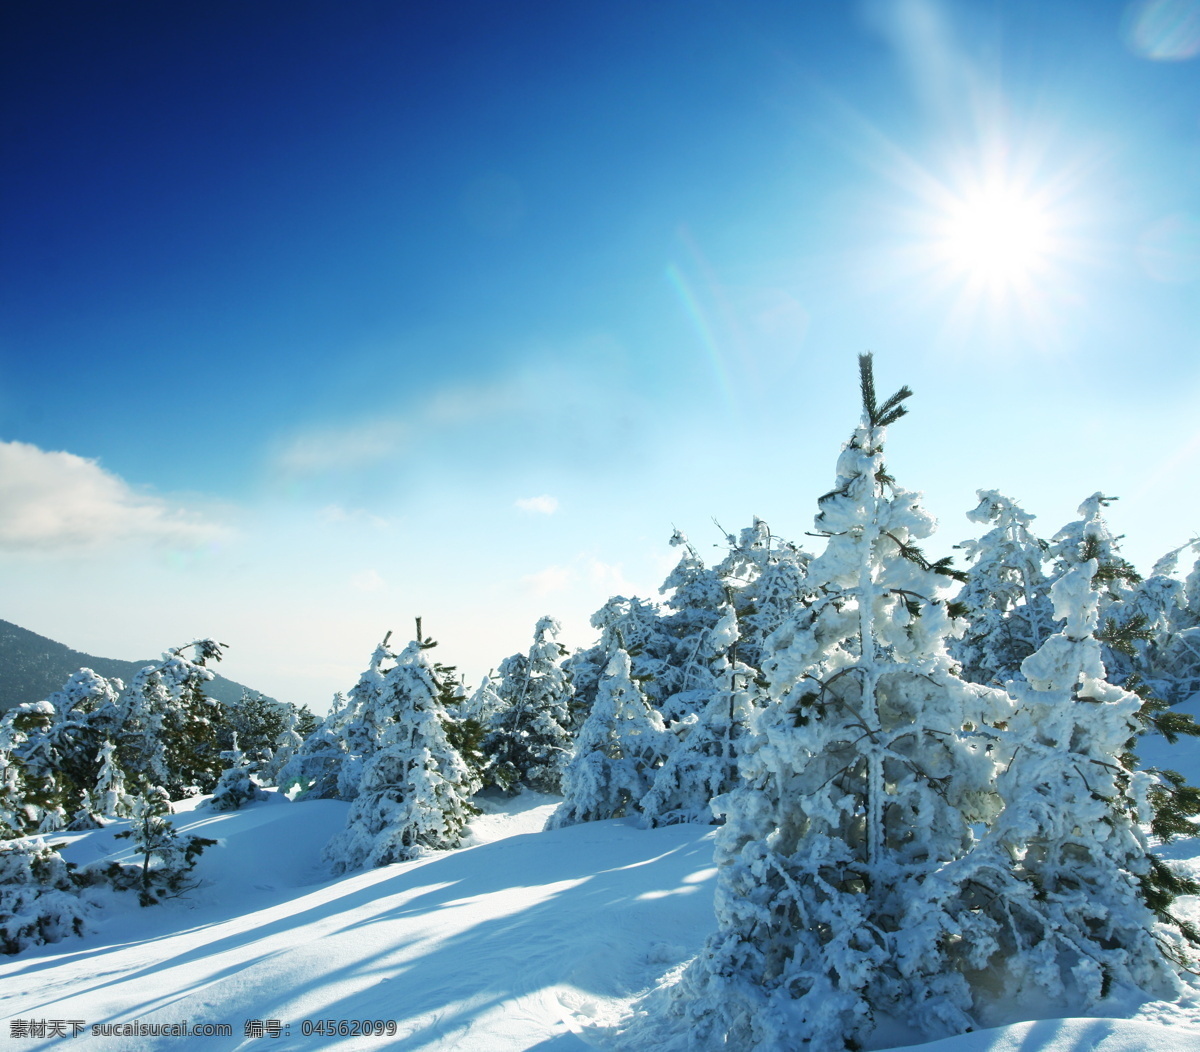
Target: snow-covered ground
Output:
[(523, 939)]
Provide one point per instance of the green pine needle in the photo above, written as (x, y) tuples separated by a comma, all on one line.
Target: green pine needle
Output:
[(891, 410)]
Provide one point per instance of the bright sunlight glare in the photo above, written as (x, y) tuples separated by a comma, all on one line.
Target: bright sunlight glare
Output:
[(996, 236)]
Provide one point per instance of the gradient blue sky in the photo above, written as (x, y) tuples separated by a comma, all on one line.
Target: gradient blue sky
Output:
[(316, 316)]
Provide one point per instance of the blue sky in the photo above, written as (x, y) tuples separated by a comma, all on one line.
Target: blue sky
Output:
[(318, 316)]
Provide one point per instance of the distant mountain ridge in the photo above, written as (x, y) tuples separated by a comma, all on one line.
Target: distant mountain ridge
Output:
[(33, 667)]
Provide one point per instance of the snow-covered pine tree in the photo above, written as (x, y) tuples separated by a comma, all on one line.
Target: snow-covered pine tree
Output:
[(704, 765), (86, 715), (190, 720), (1005, 600), (328, 764), (139, 737), (257, 722), (166, 858), (767, 579), (1129, 625), (1148, 642), (697, 593), (415, 789), (362, 721), (1156, 641), (584, 669), (108, 798), (463, 731), (1065, 871), (635, 626), (696, 598), (1190, 615), (306, 722), (52, 751), (868, 769), (167, 725), (313, 772), (39, 900), (1087, 538), (237, 785), (1179, 655), (485, 702), (527, 742), (286, 745), (34, 751), (14, 815), (622, 745)]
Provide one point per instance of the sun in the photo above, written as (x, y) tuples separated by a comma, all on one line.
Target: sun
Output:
[(995, 236)]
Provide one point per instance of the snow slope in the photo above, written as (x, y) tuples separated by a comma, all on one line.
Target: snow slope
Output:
[(523, 940)]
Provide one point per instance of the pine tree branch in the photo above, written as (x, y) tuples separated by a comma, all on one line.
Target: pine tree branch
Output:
[(892, 409), (866, 382)]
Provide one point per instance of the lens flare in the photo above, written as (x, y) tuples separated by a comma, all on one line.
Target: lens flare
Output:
[(1164, 30)]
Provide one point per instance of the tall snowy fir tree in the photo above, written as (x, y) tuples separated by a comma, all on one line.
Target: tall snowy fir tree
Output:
[(314, 769), (86, 715), (695, 604), (109, 798), (697, 593), (485, 702), (167, 725), (1128, 626), (1115, 579), (1065, 872), (1156, 606), (632, 625), (704, 764), (329, 762), (190, 720), (14, 811), (33, 749), (621, 747), (286, 745), (1179, 652), (527, 742), (463, 731), (257, 722), (766, 576), (141, 751), (869, 767), (415, 790), (1005, 600), (361, 723)]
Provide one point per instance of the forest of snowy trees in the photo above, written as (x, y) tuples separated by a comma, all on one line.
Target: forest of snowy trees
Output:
[(926, 777)]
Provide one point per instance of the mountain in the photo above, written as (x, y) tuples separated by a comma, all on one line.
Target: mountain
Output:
[(33, 667)]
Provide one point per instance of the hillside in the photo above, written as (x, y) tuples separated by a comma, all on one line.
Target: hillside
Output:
[(522, 940), (32, 667)]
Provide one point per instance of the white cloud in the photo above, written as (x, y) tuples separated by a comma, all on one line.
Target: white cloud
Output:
[(550, 580), (586, 571), (543, 505), (316, 450), (57, 501), (348, 447), (537, 394), (368, 581), (336, 514), (611, 577)]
